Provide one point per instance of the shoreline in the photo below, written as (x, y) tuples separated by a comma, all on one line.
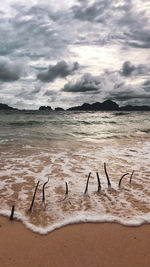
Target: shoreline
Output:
[(85, 244)]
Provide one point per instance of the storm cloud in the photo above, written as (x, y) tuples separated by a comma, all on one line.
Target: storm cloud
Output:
[(46, 37), (87, 83), (9, 71), (129, 69), (146, 86), (129, 24), (60, 70)]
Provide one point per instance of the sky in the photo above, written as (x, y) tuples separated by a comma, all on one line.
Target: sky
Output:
[(67, 52)]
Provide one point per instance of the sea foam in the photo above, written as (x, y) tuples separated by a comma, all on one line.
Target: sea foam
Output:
[(36, 155)]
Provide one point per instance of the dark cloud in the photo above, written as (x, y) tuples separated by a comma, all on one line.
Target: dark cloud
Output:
[(9, 72), (126, 94), (50, 93), (129, 95), (146, 86), (119, 85), (41, 31), (129, 69), (60, 70), (129, 25), (87, 83), (146, 83), (135, 24), (94, 12), (31, 32)]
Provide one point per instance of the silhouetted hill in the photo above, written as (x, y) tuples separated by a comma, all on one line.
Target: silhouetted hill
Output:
[(97, 106), (135, 108), (59, 109), (106, 105), (45, 108), (6, 107)]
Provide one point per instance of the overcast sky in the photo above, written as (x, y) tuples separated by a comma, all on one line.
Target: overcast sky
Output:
[(67, 52)]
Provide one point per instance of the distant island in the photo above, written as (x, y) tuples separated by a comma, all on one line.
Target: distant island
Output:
[(107, 105), (6, 107)]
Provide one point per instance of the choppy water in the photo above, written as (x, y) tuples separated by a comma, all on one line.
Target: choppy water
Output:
[(65, 147)]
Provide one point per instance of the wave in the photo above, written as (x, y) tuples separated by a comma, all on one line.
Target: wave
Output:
[(121, 113), (135, 221), (25, 123), (145, 131)]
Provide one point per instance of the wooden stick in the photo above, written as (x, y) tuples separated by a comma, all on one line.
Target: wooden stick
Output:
[(86, 189), (131, 177), (108, 181), (66, 194), (30, 210), (12, 213), (99, 183), (43, 198), (122, 178)]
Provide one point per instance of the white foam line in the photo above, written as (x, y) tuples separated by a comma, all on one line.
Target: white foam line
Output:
[(136, 221)]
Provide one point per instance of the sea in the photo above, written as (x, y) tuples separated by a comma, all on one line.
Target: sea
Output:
[(46, 159)]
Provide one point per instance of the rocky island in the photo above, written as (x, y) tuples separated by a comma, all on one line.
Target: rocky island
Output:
[(107, 105)]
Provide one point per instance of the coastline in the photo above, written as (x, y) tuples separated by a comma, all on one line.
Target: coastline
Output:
[(87, 244)]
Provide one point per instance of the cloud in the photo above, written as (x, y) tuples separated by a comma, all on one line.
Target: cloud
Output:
[(91, 12), (130, 93), (30, 31), (9, 71), (50, 93), (87, 83), (129, 23), (129, 69), (29, 94), (98, 34), (146, 86), (60, 70)]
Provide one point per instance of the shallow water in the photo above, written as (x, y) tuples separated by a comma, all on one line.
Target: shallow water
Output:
[(65, 147)]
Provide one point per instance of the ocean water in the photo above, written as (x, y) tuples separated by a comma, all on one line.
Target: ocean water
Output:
[(63, 147)]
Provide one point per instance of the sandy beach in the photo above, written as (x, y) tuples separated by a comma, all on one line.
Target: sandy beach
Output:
[(90, 245)]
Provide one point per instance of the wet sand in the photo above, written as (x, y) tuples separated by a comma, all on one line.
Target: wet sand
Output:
[(90, 245)]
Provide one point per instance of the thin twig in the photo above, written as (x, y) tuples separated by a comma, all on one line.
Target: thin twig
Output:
[(99, 183), (122, 178), (12, 213), (131, 177), (43, 198), (108, 181), (66, 194), (30, 210), (86, 189)]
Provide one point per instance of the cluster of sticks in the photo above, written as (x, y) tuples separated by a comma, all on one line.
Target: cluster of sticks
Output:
[(66, 194)]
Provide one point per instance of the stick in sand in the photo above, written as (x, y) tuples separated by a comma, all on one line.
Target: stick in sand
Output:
[(131, 177), (87, 183), (122, 178), (99, 183), (43, 198), (12, 213), (66, 194), (30, 210), (108, 181)]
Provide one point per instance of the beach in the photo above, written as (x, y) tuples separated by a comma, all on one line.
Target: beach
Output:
[(64, 148), (75, 133), (90, 245), (56, 150)]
